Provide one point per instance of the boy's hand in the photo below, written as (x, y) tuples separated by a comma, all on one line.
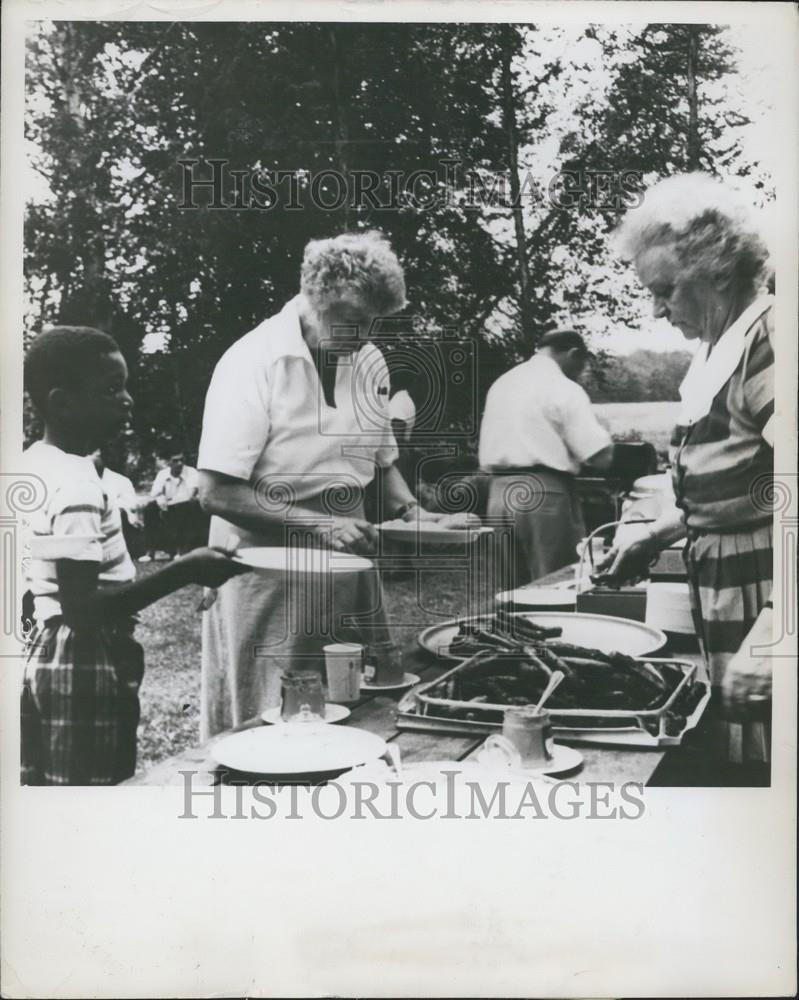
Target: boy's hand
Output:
[(209, 566)]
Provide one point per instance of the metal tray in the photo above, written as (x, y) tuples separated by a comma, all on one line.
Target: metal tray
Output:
[(418, 710)]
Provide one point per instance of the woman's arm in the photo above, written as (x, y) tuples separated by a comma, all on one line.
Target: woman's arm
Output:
[(629, 558), (396, 493), (238, 501)]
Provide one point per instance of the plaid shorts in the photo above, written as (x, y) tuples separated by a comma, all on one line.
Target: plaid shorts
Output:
[(80, 706)]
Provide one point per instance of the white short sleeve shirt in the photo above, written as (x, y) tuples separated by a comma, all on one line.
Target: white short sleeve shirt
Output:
[(535, 415), (266, 419)]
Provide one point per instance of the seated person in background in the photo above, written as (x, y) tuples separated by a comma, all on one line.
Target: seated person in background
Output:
[(538, 432), (123, 492), (171, 517)]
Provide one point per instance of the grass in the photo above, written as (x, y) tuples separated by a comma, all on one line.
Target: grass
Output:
[(170, 633), (170, 693)]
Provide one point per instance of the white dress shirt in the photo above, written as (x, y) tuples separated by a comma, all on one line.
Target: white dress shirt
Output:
[(535, 415), (176, 489)]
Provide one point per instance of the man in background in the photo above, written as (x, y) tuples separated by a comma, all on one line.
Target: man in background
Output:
[(172, 516), (538, 432)]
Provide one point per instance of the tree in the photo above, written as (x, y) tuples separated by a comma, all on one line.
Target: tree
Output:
[(659, 118), (127, 116)]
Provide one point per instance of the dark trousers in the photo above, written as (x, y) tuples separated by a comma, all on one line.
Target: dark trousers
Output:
[(134, 536), (182, 526)]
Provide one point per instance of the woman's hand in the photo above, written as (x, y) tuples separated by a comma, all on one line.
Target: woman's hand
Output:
[(210, 567), (746, 686), (418, 513), (627, 561), (459, 521), (348, 534)]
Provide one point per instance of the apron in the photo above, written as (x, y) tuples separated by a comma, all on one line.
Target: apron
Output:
[(263, 624)]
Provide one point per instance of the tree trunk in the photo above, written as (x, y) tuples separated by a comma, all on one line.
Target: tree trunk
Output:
[(693, 149), (340, 117), (510, 126), (89, 303)]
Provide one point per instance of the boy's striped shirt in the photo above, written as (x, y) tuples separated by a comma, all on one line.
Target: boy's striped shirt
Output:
[(76, 504)]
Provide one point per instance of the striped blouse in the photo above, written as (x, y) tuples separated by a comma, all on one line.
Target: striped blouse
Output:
[(77, 505), (723, 464)]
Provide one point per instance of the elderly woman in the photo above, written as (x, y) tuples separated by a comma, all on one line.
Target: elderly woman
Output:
[(697, 251), (296, 423)]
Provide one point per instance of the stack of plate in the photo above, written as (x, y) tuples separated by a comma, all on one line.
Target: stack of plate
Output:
[(668, 607), (537, 599)]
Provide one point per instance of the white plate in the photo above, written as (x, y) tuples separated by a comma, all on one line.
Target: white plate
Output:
[(297, 560), (429, 533), (311, 748), (564, 759), (407, 681), (333, 713), (538, 597), (603, 632), (658, 483)]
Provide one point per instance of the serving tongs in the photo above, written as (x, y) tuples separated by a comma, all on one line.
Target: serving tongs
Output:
[(600, 579)]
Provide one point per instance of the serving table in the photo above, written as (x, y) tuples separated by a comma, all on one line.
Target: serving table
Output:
[(376, 714)]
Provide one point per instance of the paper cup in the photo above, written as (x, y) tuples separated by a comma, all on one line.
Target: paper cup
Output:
[(343, 662)]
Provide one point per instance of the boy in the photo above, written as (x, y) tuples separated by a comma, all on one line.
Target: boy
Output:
[(80, 705)]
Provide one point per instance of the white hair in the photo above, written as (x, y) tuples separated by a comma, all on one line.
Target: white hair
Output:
[(360, 265), (712, 231)]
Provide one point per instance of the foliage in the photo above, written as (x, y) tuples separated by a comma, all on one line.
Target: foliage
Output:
[(653, 376), (115, 106)]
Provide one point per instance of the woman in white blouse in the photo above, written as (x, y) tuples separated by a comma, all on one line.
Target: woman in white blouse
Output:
[(296, 424)]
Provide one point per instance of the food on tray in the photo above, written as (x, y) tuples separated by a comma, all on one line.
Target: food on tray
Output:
[(518, 658), (519, 679)]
